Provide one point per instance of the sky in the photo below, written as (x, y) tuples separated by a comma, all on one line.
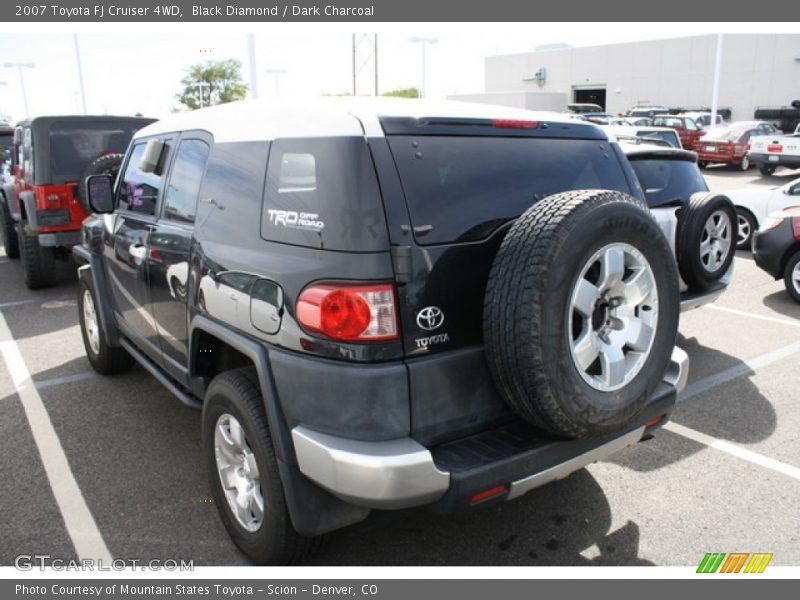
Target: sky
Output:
[(127, 71)]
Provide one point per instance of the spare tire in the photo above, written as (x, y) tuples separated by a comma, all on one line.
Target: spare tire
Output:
[(706, 239), (581, 312), (107, 164)]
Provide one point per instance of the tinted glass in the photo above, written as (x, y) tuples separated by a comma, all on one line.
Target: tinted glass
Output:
[(230, 196), (665, 181), (75, 145), (323, 193), (138, 191), (180, 199), (671, 137), (463, 188)]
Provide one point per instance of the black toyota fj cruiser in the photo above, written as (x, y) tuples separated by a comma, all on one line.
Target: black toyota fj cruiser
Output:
[(383, 305)]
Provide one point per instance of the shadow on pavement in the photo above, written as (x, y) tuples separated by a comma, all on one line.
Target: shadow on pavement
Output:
[(782, 303)]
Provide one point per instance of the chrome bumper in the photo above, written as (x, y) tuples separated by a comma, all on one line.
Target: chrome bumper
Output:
[(401, 473)]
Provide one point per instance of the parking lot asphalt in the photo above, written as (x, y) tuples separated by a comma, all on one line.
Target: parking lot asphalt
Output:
[(724, 476)]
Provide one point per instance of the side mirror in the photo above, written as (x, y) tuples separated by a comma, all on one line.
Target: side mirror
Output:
[(101, 194), (151, 157)]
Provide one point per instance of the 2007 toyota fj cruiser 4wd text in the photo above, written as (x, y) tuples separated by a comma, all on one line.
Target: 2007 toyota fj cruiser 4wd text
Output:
[(42, 209), (386, 304)]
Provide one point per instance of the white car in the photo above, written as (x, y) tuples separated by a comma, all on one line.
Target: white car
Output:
[(663, 134), (754, 204)]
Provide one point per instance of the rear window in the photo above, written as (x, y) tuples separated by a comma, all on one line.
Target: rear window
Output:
[(75, 145), (461, 189), (670, 137), (323, 193), (665, 181)]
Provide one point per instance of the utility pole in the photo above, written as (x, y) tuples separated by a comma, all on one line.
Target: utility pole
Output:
[(80, 71), (424, 41), (715, 92), (19, 66), (277, 73), (251, 52)]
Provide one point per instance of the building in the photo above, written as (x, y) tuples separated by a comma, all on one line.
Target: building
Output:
[(756, 70)]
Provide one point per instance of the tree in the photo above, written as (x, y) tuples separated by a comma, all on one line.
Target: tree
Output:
[(220, 82), (410, 92)]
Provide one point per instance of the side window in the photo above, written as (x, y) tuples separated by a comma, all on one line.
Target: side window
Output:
[(138, 191), (27, 153), (323, 193), (180, 198)]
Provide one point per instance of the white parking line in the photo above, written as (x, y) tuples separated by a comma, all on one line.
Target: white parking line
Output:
[(17, 303), (734, 450), (80, 523), (742, 313)]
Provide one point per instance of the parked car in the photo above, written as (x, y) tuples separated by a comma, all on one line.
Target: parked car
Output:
[(703, 119), (598, 118), (385, 304), (689, 131), (647, 111), (692, 218), (776, 248), (635, 121), (753, 204), (663, 134), (42, 209), (584, 107), (731, 144), (771, 151)]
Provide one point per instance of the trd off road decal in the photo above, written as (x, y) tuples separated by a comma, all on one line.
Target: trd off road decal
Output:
[(295, 220)]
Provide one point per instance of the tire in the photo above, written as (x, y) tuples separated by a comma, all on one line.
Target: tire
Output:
[(531, 327), (8, 231), (235, 396), (766, 170), (702, 164), (768, 114), (105, 359), (38, 262), (745, 228), (705, 239), (108, 164), (744, 164), (791, 277)]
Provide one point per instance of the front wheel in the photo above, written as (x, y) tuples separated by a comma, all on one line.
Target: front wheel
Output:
[(105, 359), (746, 227), (243, 472), (791, 277)]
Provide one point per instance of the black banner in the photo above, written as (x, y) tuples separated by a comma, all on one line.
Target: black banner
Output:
[(266, 11)]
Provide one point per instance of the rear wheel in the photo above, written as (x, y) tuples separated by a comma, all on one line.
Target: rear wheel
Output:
[(766, 170), (743, 164), (243, 472), (8, 231), (38, 262), (745, 227), (581, 312), (791, 277)]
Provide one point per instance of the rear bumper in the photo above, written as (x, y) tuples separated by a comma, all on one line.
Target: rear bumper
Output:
[(402, 473), (60, 238), (782, 160), (719, 157), (770, 247)]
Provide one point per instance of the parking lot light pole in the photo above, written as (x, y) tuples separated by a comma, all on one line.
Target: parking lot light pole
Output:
[(80, 71), (424, 41), (19, 66), (277, 73), (200, 85), (715, 92)]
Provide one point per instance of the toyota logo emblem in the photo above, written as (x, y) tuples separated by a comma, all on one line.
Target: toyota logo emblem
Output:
[(430, 317)]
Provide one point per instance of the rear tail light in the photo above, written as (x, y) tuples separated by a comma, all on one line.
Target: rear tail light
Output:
[(349, 312), (514, 124)]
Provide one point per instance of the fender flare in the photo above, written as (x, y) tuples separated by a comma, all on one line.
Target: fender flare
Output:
[(313, 510), (28, 201), (9, 196), (91, 271)]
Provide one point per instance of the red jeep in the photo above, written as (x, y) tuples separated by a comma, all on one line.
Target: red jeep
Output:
[(689, 131), (42, 208)]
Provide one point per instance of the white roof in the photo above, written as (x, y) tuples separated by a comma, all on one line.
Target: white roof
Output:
[(327, 117)]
